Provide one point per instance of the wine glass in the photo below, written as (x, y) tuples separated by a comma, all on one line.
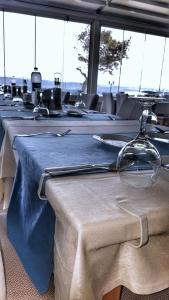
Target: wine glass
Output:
[(139, 161), (17, 99), (40, 109), (80, 103), (7, 92)]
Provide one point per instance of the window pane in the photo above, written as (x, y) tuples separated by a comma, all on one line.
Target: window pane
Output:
[(50, 34), (153, 55), (56, 41), (106, 81), (1, 51), (165, 72), (72, 48), (131, 67), (19, 45)]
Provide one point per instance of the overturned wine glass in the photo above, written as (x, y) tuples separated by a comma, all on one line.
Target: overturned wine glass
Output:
[(40, 109), (139, 161)]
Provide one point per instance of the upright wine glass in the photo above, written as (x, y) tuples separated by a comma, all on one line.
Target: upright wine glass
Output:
[(17, 99), (40, 109), (139, 161), (80, 103)]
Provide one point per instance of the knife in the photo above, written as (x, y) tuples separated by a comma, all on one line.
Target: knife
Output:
[(69, 170)]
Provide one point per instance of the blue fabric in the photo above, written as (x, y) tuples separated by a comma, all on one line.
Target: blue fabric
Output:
[(85, 117), (30, 221)]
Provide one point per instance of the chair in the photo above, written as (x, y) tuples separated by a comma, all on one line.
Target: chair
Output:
[(161, 109), (17, 285), (91, 100), (66, 99), (127, 108), (108, 103)]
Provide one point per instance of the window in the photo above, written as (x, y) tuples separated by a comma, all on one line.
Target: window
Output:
[(145, 68), (132, 66), (106, 81), (19, 45), (153, 55), (164, 86), (56, 49), (56, 52), (1, 51)]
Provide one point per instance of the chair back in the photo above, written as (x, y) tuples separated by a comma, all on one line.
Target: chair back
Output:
[(127, 107), (161, 109), (91, 100), (66, 98), (108, 103)]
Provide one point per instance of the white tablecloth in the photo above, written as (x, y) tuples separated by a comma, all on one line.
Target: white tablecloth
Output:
[(94, 239)]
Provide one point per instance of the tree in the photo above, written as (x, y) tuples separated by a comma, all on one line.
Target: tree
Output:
[(111, 52)]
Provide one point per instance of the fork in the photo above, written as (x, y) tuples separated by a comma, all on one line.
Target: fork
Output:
[(44, 133), (39, 133), (161, 130)]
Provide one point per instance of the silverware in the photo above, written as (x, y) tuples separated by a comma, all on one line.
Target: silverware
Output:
[(17, 118), (69, 170), (56, 171), (39, 133), (162, 130), (159, 139), (111, 118), (44, 133)]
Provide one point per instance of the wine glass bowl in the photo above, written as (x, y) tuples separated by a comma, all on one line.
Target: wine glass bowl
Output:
[(139, 161)]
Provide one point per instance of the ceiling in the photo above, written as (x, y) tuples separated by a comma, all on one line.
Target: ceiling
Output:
[(139, 13)]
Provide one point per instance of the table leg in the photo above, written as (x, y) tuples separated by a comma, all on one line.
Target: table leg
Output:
[(8, 183), (114, 294), (1, 189)]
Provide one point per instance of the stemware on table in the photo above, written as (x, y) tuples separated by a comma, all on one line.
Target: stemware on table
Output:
[(40, 109), (80, 103), (139, 161)]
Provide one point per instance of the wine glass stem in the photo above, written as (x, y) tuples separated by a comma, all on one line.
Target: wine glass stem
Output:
[(146, 108), (143, 121)]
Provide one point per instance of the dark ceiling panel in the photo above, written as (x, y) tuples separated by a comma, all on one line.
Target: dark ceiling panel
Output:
[(150, 16)]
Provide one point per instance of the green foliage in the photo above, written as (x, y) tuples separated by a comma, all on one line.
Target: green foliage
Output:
[(111, 51)]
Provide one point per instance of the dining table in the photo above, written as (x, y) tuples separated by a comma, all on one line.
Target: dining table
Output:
[(89, 229), (100, 229), (13, 127), (13, 111)]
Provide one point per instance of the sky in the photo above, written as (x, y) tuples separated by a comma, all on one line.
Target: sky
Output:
[(56, 41)]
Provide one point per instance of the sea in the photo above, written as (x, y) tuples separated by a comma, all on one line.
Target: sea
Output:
[(75, 87)]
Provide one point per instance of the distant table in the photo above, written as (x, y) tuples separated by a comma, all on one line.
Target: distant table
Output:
[(163, 120)]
